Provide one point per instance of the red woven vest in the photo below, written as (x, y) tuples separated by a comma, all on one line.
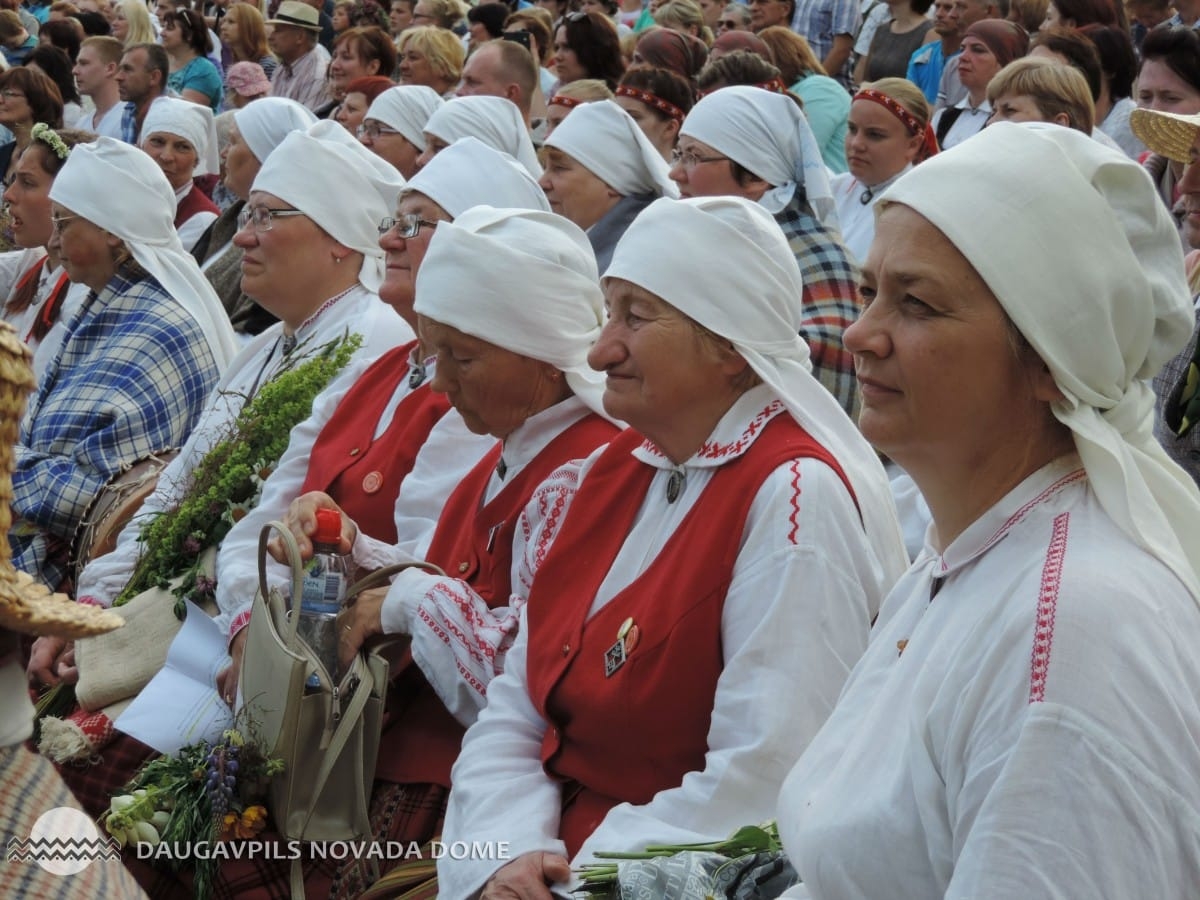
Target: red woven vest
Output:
[(625, 737), (363, 473), (473, 542)]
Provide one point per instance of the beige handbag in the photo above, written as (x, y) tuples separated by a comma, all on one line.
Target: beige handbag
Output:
[(327, 737)]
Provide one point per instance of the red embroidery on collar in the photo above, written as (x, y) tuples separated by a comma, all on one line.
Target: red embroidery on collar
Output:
[(736, 447)]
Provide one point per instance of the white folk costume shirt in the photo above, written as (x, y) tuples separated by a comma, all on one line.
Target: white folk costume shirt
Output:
[(1037, 736), (359, 311), (446, 618), (13, 267), (970, 121), (450, 451), (804, 587), (856, 210)]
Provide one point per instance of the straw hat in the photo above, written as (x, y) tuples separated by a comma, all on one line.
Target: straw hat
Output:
[(1167, 134), (25, 605), (298, 14)]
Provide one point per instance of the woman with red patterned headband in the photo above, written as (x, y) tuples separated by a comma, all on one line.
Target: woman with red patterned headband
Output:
[(657, 99), (888, 133), (569, 96)]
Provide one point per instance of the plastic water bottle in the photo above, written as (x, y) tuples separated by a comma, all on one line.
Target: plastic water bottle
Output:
[(323, 594)]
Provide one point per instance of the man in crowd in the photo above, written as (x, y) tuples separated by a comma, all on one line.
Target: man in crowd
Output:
[(927, 62), (829, 26), (96, 77), (141, 79), (302, 61), (501, 68)]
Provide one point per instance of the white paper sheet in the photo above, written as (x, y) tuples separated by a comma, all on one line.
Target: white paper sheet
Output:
[(180, 705)]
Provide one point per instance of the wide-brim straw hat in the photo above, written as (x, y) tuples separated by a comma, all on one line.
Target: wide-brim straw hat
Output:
[(1168, 134), (301, 15), (25, 605)]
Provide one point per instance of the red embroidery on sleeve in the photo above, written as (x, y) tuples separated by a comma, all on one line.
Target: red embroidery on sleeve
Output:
[(795, 501), (1043, 631)]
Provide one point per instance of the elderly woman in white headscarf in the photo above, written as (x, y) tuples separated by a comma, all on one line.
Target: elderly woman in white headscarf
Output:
[(1026, 716), (182, 138), (741, 531), (601, 171), (257, 130), (140, 357), (312, 259), (394, 126), (750, 142), (509, 304), (494, 120)]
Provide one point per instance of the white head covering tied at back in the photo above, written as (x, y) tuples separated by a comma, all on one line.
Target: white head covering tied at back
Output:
[(190, 121), (524, 280), (470, 173), (137, 205), (767, 134), (340, 184), (264, 123), (407, 109), (494, 120), (606, 141), (755, 266), (1103, 310)]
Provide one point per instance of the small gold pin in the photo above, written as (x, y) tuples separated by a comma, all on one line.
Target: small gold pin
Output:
[(900, 645)]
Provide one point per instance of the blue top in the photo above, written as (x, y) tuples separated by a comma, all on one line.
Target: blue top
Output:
[(925, 69), (198, 75), (827, 108)]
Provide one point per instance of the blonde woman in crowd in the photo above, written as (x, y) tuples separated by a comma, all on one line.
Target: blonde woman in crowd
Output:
[(432, 57), (131, 23)]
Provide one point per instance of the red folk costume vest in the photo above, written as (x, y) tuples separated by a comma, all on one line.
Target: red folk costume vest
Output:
[(473, 542), (363, 473), (626, 736), (194, 202)]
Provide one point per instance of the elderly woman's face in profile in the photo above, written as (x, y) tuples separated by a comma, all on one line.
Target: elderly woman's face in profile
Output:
[(659, 366), (941, 380), (493, 389), (88, 252)]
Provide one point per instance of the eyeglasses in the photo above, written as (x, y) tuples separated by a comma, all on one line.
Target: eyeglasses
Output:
[(58, 221), (689, 160), (373, 130), (10, 94), (261, 216), (728, 23), (407, 226)]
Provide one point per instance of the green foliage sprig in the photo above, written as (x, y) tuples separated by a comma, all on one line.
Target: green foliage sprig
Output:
[(227, 482)]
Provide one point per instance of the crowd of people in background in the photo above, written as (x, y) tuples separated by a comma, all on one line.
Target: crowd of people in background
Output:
[(797, 397)]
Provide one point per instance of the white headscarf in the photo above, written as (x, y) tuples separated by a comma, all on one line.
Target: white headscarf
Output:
[(119, 188), (264, 123), (190, 121), (340, 184), (470, 173), (755, 266), (767, 134), (605, 140), (524, 280), (407, 109), (1104, 310), (493, 120)]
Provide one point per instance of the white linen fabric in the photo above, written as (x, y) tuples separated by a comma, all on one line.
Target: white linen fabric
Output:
[(802, 592), (857, 219), (1031, 731), (190, 121), (264, 123), (1123, 288), (764, 330), (407, 109), (494, 120), (358, 312), (767, 134), (145, 220), (470, 173), (605, 140), (524, 280), (340, 184)]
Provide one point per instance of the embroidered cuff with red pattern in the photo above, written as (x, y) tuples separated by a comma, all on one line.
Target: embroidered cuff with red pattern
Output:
[(89, 601), (240, 621)]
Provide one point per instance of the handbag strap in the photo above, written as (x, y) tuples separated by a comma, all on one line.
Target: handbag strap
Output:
[(383, 575), (273, 601)]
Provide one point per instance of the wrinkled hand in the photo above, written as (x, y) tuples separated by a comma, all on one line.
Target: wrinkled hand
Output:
[(301, 520), (227, 678), (361, 620), (527, 877), (52, 661)]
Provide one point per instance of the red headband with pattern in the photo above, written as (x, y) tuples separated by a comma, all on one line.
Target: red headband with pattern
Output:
[(560, 100), (929, 145), (670, 109)]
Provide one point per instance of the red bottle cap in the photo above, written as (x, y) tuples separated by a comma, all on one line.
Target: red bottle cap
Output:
[(329, 527)]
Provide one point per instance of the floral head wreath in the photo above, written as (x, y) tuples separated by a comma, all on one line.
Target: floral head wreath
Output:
[(48, 136)]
